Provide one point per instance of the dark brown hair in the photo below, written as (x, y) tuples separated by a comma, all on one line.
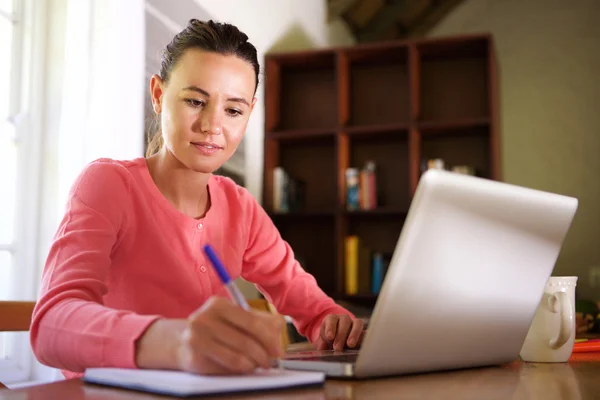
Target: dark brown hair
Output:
[(210, 36)]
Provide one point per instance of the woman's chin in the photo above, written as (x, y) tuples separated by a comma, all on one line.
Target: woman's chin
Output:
[(204, 166)]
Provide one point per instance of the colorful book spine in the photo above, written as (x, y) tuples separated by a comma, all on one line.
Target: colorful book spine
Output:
[(288, 192), (352, 189), (370, 186), (351, 270), (378, 273)]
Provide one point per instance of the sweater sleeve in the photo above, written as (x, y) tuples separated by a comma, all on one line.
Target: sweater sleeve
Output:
[(269, 262), (71, 329)]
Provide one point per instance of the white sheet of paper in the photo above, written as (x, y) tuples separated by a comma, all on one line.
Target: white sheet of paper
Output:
[(186, 384)]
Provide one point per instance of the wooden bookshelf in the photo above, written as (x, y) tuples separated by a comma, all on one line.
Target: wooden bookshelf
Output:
[(394, 103)]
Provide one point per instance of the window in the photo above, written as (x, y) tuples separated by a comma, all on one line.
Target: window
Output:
[(8, 148), (19, 165)]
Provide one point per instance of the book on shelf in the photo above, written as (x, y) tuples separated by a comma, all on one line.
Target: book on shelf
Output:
[(440, 163), (288, 192), (361, 187), (379, 267), (351, 267), (364, 268)]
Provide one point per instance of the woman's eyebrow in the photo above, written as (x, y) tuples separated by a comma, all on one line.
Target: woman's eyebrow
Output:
[(205, 93)]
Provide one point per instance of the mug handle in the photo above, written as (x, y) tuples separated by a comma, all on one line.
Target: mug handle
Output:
[(559, 302)]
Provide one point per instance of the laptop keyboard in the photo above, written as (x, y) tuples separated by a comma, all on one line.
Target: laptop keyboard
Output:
[(348, 358)]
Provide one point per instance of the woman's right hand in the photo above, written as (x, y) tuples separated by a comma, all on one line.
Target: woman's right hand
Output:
[(223, 338), (219, 338)]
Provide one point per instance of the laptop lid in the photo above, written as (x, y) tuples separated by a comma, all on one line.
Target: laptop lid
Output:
[(466, 277)]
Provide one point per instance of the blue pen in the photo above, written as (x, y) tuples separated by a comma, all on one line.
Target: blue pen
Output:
[(233, 290)]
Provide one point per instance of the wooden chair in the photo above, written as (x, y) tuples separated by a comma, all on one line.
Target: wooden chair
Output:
[(264, 305), (15, 316)]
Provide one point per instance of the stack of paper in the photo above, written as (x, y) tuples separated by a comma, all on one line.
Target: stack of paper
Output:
[(176, 383)]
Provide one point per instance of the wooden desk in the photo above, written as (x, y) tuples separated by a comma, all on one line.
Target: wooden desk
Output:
[(578, 379)]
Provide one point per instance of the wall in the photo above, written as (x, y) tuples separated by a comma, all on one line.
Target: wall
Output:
[(549, 56)]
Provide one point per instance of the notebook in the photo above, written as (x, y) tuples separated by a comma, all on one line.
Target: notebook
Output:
[(183, 384)]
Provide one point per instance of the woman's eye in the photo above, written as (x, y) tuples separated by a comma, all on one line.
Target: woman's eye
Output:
[(194, 102), (233, 112)]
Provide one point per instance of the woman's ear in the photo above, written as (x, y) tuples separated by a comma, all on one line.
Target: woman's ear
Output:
[(156, 92)]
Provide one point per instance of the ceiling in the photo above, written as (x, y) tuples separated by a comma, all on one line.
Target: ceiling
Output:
[(381, 20)]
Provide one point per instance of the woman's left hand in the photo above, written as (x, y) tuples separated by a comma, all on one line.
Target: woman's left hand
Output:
[(339, 330)]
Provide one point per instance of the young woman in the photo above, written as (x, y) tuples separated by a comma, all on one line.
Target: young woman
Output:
[(126, 283)]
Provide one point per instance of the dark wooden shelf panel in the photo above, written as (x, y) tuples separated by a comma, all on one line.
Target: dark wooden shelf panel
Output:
[(378, 85), (452, 126), (305, 86), (454, 79), (381, 129), (301, 134), (311, 240), (381, 212), (303, 214)]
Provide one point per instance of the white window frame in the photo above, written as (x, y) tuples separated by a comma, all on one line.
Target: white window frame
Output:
[(26, 115)]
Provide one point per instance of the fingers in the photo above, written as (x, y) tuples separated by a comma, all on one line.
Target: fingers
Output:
[(201, 352), (261, 327), (240, 343), (338, 331), (328, 331), (222, 338), (221, 362), (343, 329), (355, 335)]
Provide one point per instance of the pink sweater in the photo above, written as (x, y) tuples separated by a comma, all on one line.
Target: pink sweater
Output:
[(123, 256)]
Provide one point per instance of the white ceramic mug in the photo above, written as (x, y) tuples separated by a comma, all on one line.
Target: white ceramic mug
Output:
[(552, 332)]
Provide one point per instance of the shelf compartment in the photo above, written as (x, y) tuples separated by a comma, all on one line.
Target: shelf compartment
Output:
[(374, 235), (314, 163), (302, 214), (378, 212), (452, 126), (454, 79), (377, 235), (468, 146), (378, 85), (377, 130), (301, 134), (390, 154), (305, 86), (311, 240)]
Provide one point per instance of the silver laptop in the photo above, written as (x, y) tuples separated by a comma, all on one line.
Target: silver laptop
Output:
[(464, 282)]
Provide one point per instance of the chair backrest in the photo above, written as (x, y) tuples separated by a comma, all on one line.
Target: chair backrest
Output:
[(15, 316)]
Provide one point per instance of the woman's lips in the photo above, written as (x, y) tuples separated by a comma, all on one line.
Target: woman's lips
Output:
[(207, 148)]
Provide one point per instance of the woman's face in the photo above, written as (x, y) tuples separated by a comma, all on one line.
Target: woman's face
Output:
[(204, 107)]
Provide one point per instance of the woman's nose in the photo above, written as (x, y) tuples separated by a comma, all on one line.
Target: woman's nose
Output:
[(210, 121)]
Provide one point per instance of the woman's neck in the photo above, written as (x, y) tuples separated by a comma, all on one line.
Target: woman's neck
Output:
[(185, 189)]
